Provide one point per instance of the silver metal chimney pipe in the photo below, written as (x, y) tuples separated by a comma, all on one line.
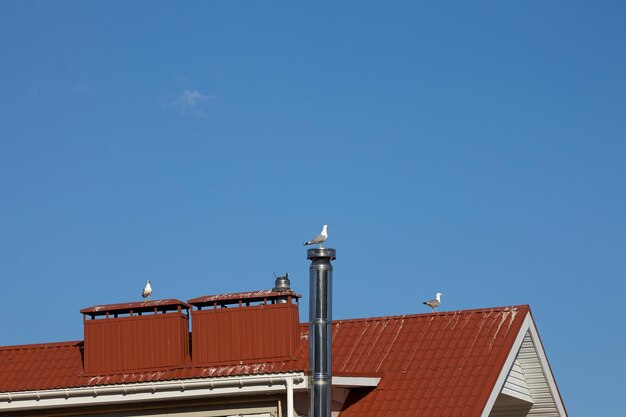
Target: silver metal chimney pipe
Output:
[(320, 332)]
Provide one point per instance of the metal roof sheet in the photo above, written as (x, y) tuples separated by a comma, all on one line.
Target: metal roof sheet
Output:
[(435, 364), (249, 296), (169, 304)]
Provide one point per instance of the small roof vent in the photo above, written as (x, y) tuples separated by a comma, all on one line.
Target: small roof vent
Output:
[(282, 283)]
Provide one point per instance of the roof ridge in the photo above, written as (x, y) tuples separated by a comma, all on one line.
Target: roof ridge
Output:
[(41, 345), (440, 313)]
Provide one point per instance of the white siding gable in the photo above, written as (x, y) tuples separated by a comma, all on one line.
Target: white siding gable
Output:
[(526, 386), (543, 399)]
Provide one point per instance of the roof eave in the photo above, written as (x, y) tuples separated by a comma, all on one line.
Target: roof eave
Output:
[(151, 391)]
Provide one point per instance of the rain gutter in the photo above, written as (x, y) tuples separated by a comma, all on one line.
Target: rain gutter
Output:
[(161, 390)]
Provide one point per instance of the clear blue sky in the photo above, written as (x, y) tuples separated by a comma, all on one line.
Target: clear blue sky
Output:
[(474, 148)]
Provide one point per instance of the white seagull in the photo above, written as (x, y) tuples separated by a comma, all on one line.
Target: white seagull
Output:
[(147, 291), (319, 239), (435, 302)]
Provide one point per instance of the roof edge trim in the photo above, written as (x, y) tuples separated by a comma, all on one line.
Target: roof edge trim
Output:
[(355, 381), (150, 391), (101, 309), (547, 370), (508, 363)]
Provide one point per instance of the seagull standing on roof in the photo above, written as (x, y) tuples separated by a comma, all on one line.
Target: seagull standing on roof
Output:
[(435, 302), (147, 291), (319, 239)]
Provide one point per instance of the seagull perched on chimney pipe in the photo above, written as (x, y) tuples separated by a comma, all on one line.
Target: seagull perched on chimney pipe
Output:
[(147, 291), (435, 302), (319, 239)]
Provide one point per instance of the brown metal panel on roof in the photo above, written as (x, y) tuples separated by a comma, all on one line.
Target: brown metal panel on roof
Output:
[(245, 333), (149, 335)]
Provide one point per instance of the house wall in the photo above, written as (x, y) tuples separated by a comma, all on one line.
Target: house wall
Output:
[(301, 402)]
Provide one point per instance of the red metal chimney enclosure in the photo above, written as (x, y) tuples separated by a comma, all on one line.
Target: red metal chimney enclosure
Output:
[(244, 326), (136, 336)]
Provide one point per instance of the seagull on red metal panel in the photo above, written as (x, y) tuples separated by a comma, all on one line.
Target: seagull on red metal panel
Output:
[(147, 291), (435, 302)]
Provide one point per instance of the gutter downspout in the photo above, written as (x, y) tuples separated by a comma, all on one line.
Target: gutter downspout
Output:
[(289, 385)]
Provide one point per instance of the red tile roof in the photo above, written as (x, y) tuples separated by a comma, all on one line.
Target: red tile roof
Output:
[(436, 364), (440, 364)]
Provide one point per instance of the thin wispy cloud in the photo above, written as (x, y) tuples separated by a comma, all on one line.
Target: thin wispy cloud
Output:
[(33, 91), (82, 89), (192, 103)]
